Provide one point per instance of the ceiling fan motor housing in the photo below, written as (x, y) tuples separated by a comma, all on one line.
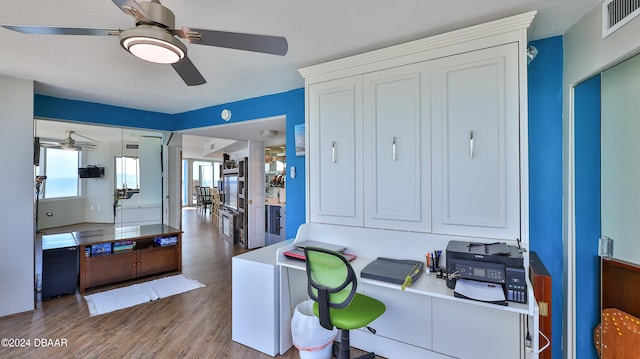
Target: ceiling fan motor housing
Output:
[(159, 14)]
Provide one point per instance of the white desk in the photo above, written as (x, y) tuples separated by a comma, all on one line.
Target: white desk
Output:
[(427, 284), (255, 295), (425, 320)]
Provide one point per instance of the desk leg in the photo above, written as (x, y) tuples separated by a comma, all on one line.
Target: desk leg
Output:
[(285, 311)]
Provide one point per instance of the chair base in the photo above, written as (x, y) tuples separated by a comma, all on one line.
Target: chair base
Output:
[(343, 350)]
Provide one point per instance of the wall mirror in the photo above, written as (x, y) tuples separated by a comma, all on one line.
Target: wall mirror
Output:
[(97, 176), (620, 153), (619, 332)]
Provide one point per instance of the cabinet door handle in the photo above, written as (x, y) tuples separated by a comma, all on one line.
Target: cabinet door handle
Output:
[(393, 148), (333, 151), (471, 144)]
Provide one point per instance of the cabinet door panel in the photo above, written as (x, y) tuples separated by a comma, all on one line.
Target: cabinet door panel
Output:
[(471, 331), (476, 143), (335, 151), (397, 143), (407, 317), (157, 260), (110, 268)]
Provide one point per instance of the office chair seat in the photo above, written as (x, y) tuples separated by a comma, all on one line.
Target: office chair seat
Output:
[(361, 312), (332, 285)]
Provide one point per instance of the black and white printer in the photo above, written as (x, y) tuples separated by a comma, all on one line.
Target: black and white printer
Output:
[(488, 264)]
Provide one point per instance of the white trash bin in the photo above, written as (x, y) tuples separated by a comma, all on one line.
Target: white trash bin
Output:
[(312, 340)]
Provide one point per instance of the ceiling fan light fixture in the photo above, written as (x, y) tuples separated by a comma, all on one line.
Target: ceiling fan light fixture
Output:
[(153, 44)]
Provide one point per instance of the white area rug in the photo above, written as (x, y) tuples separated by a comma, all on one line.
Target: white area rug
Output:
[(120, 298)]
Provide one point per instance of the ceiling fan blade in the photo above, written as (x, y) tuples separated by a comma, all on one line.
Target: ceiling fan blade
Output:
[(85, 137), (131, 7), (53, 30), (188, 72), (276, 45)]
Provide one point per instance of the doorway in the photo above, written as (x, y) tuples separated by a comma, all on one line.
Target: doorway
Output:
[(275, 170)]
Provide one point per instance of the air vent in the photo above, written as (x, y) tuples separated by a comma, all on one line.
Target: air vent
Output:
[(616, 13), (131, 146)]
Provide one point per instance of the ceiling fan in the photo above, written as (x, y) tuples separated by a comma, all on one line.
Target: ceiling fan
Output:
[(154, 38), (69, 143)]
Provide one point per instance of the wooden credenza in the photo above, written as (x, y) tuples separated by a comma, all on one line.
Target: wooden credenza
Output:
[(146, 256)]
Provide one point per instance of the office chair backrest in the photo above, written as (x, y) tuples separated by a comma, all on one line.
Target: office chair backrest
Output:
[(331, 281)]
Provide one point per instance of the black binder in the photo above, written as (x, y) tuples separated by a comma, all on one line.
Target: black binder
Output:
[(392, 270)]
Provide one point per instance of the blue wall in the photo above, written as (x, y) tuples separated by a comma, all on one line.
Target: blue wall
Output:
[(587, 213), (72, 110), (289, 103), (545, 169)]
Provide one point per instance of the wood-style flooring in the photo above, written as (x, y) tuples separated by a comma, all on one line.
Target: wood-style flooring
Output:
[(196, 324)]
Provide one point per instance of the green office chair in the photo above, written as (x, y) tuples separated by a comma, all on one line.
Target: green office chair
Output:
[(332, 285)]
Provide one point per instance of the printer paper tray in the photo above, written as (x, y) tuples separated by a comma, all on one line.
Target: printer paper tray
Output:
[(480, 291)]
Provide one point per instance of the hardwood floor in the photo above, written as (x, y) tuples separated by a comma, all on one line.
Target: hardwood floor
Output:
[(196, 324)]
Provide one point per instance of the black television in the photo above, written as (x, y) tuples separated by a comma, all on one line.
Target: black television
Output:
[(90, 172), (230, 189)]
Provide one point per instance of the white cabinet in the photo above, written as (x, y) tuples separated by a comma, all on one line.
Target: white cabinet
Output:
[(431, 146), (407, 317), (255, 308), (335, 144), (397, 181), (471, 331), (428, 136), (475, 119)]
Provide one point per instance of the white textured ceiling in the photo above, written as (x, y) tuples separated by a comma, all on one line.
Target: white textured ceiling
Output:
[(97, 69)]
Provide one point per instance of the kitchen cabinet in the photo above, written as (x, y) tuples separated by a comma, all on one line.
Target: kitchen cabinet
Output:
[(275, 220), (475, 109)]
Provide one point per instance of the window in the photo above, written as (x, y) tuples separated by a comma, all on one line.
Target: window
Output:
[(127, 173), (203, 171), (199, 173), (61, 169)]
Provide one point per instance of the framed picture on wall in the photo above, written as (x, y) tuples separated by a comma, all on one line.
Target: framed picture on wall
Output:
[(298, 131)]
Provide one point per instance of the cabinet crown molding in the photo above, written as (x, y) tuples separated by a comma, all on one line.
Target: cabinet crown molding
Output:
[(464, 35)]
